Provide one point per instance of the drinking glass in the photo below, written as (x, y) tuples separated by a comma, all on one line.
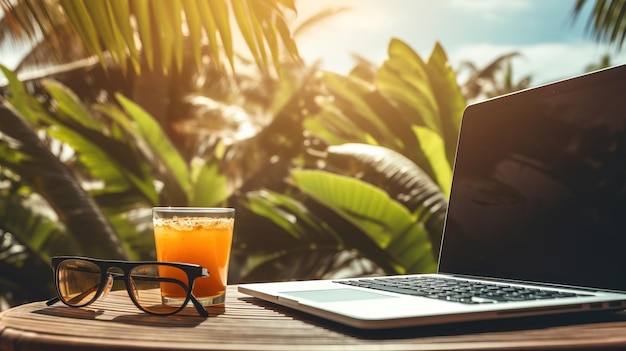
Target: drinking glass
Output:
[(198, 235)]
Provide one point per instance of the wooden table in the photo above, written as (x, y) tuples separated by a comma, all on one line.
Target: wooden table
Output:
[(247, 323)]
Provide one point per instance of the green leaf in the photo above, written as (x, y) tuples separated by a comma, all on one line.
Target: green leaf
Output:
[(37, 231), (209, 185), (70, 104), (335, 128), (290, 44), (311, 223), (142, 15), (306, 262), (101, 155), (280, 209), (387, 222), (22, 101), (210, 28), (350, 97), (106, 31), (80, 18), (257, 28), (449, 98), (165, 28), (403, 78), (398, 176), (352, 91), (269, 32), (152, 133), (247, 31), (175, 10), (220, 15), (137, 237), (120, 10), (122, 29), (192, 16), (118, 116), (58, 185), (434, 149), (93, 158)]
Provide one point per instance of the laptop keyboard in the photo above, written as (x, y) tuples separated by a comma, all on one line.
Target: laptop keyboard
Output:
[(463, 291)]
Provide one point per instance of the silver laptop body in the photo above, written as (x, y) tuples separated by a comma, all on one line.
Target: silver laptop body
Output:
[(537, 205)]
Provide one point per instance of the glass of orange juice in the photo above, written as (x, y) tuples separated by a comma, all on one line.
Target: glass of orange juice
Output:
[(199, 235)]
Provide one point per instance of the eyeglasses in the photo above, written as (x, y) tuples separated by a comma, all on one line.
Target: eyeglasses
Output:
[(80, 281)]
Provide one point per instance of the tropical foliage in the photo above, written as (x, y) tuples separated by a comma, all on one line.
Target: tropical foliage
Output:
[(607, 21), (376, 174), (495, 79), (144, 34), (352, 172), (74, 179)]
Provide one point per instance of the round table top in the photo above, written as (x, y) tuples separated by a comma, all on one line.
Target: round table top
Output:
[(247, 323)]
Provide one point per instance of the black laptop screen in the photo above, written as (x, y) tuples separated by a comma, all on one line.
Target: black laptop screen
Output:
[(539, 189)]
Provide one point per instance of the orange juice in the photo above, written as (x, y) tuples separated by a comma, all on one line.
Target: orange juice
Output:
[(201, 240)]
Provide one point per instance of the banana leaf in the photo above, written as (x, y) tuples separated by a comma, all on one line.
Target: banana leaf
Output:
[(301, 223), (402, 179), (313, 263), (57, 184), (387, 223)]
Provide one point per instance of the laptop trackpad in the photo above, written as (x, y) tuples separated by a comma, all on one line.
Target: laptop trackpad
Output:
[(336, 295)]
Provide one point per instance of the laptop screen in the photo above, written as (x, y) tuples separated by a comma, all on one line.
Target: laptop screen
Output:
[(539, 189)]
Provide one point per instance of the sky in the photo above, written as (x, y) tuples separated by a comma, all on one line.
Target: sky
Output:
[(552, 45)]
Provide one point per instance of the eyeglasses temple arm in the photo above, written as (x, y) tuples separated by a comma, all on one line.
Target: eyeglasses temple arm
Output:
[(201, 310), (52, 301)]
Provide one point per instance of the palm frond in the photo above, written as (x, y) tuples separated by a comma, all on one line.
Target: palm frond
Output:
[(607, 21), (303, 221), (402, 179), (385, 222), (313, 263), (161, 27), (316, 19), (412, 107), (45, 173)]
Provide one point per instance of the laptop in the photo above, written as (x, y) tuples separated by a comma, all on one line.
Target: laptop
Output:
[(536, 222)]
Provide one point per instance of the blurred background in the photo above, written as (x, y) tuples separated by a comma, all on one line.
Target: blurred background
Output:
[(552, 41), (330, 126)]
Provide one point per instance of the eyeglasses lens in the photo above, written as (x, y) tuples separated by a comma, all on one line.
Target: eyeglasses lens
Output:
[(78, 281), (159, 289)]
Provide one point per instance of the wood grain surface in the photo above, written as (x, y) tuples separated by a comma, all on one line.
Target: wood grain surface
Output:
[(246, 323)]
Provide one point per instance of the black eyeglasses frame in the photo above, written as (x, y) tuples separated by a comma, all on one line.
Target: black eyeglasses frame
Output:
[(192, 271)]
